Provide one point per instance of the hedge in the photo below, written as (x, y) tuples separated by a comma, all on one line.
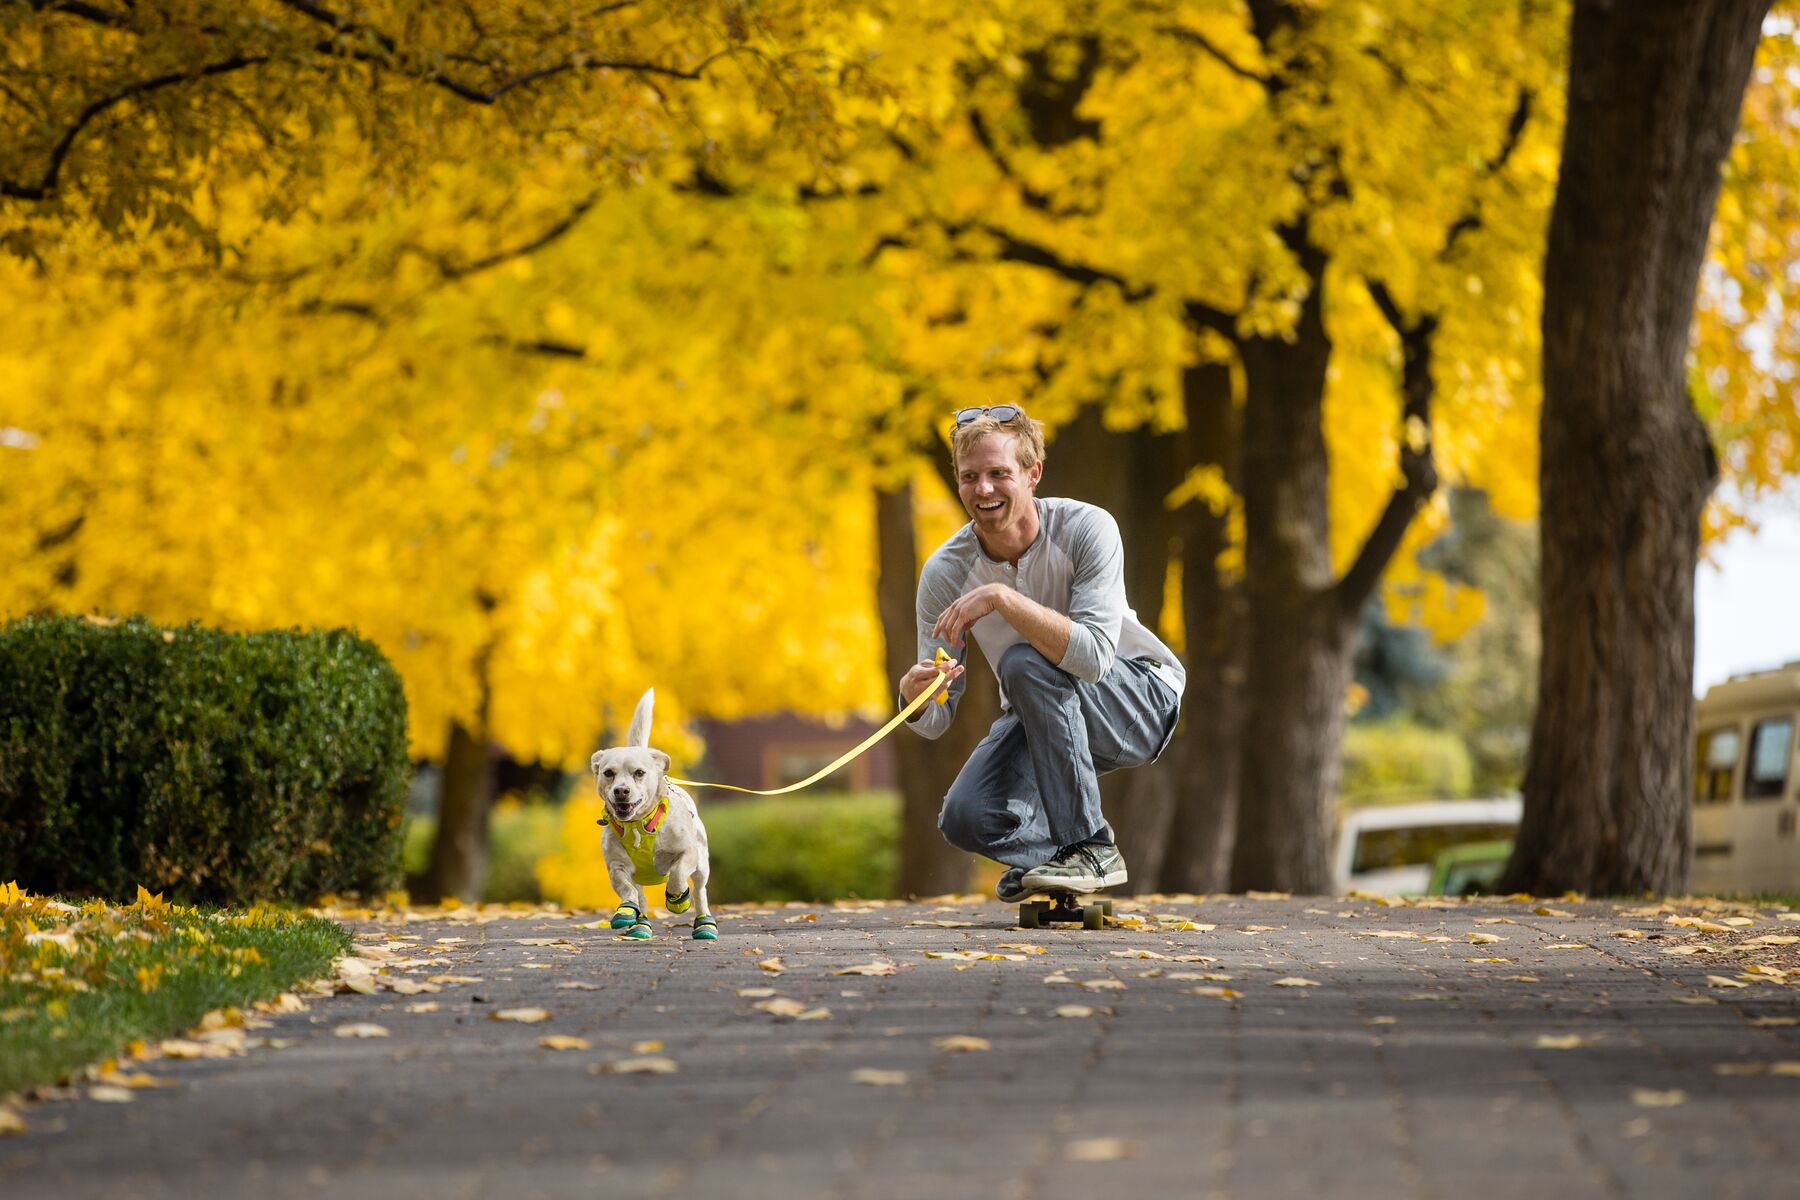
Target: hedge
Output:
[(220, 768)]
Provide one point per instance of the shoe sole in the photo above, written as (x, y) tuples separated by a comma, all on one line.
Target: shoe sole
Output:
[(1081, 887)]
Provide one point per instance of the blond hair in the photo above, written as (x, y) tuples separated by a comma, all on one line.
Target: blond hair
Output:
[(1030, 446)]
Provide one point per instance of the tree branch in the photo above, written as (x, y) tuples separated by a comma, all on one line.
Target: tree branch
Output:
[(46, 185)]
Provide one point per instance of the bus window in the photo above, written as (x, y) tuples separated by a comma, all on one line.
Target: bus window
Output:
[(1715, 759), (1771, 746)]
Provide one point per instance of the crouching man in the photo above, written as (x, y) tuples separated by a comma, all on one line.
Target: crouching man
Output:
[(1084, 687)]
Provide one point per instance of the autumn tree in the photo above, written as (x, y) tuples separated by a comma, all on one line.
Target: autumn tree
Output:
[(1654, 97)]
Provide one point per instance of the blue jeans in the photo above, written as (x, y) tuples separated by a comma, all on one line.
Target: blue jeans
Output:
[(1033, 784)]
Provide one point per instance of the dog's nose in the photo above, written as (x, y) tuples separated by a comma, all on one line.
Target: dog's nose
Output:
[(621, 793)]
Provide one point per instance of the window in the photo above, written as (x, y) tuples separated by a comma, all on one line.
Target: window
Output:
[(1385, 849), (1771, 746), (1714, 761)]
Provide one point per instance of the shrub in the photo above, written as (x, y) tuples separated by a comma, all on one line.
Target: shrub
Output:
[(778, 848), (223, 768), (1398, 761)]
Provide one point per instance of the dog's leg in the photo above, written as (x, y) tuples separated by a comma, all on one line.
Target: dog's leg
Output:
[(705, 928), (629, 916)]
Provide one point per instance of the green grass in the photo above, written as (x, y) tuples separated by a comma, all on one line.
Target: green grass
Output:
[(79, 983), (518, 835)]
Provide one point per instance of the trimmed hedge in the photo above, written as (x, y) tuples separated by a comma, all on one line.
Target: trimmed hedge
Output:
[(221, 768)]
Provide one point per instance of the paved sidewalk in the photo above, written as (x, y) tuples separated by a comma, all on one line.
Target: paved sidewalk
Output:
[(1559, 1060)]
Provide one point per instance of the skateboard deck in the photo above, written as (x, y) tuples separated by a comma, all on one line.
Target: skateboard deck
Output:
[(1063, 907)]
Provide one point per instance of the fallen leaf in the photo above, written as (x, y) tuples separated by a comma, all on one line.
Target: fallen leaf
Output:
[(1103, 984), (360, 1029), (524, 1016), (1629, 934), (1774, 1022), (1648, 1098), (1495, 921), (799, 918), (540, 941), (181, 1048), (1391, 933), (423, 1006), (815, 1014), (1551, 912), (1561, 1041), (1295, 981), (1570, 946), (960, 1043), (780, 1006), (561, 1041), (11, 1123), (875, 1077), (107, 1094), (1022, 947), (1190, 976), (1217, 993), (1260, 929), (1269, 895), (1788, 916), (1721, 982), (772, 966), (1189, 926), (1382, 1021), (1738, 922), (1741, 1068), (1773, 939), (1482, 939), (1073, 1010), (870, 968), (1108, 1149), (456, 978), (651, 1047), (1503, 961), (941, 924), (759, 991), (1686, 949), (576, 985), (1059, 977), (1519, 979), (1790, 1068), (1139, 954), (652, 1065)]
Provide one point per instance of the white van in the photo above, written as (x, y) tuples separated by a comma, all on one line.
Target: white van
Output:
[(1391, 849), (1746, 786)]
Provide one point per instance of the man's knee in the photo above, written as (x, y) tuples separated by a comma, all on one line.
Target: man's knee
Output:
[(1023, 666), (958, 822)]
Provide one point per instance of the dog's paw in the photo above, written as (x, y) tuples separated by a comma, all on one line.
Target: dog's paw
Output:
[(706, 929), (639, 932), (627, 915), (681, 903)]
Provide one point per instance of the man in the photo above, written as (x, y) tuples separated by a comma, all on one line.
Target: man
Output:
[(1084, 687)]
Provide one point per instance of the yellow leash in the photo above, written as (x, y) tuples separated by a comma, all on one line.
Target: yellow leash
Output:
[(917, 703)]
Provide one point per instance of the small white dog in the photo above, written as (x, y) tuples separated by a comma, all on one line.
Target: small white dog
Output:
[(653, 832)]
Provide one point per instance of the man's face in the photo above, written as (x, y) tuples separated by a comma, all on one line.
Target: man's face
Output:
[(996, 492)]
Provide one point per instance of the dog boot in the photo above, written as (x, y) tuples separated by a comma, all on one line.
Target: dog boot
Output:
[(706, 929), (680, 903), (627, 915), (640, 931)]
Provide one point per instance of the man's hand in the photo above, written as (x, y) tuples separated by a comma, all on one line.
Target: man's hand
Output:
[(953, 623), (922, 673)]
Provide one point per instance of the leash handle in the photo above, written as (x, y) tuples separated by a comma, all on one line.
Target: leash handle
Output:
[(917, 703)]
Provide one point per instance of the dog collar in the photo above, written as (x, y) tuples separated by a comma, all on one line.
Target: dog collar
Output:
[(649, 824)]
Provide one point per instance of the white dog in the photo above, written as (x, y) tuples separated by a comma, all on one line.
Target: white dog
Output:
[(653, 832)]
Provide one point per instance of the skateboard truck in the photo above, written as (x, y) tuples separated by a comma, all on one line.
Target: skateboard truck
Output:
[(1061, 908)]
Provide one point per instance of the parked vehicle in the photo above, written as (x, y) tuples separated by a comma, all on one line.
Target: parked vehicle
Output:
[(1746, 785), (1392, 850)]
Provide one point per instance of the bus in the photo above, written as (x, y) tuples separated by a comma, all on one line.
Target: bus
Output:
[(1746, 785)]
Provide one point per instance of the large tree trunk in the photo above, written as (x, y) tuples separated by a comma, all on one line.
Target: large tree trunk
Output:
[(929, 865), (1129, 474), (459, 852), (1203, 822), (1654, 94), (1299, 641)]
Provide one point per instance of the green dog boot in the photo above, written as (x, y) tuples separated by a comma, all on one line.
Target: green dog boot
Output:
[(681, 903), (639, 932), (706, 929), (626, 915)]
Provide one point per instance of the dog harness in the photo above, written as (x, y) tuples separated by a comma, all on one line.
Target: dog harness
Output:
[(640, 847)]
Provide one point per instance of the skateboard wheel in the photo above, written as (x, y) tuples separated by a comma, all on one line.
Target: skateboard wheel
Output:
[(1031, 914), (1105, 906), (1093, 917)]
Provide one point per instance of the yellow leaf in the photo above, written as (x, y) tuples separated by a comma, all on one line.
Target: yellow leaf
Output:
[(108, 1094), (1073, 1010), (1558, 1041), (11, 1123), (1719, 981), (359, 1029), (1649, 1098), (875, 1077), (870, 968), (560, 1041), (772, 966), (650, 1065), (1295, 981), (781, 1006), (960, 1043), (1106, 1149), (525, 1016), (1217, 993)]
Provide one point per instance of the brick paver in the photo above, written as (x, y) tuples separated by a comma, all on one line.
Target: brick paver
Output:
[(1584, 1065)]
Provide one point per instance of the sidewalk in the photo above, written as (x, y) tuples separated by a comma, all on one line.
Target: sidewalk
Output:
[(1226, 1047)]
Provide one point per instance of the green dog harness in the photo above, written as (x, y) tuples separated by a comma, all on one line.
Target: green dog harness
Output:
[(640, 843)]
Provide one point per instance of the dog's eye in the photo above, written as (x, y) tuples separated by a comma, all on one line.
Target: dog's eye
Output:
[(608, 772), (638, 774)]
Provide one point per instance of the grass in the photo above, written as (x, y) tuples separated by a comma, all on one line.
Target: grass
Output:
[(80, 982)]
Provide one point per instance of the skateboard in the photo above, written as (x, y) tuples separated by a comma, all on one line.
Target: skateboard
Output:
[(1062, 907)]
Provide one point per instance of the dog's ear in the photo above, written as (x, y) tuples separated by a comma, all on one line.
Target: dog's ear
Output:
[(662, 760), (594, 762), (662, 772), (640, 720)]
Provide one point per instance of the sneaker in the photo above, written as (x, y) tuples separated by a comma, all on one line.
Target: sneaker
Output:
[(1086, 866), (1010, 889)]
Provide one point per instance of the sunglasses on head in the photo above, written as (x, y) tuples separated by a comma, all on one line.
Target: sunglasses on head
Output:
[(1000, 412)]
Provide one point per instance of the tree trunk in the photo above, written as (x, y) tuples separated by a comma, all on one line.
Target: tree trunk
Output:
[(929, 865), (1204, 756), (1299, 641), (459, 852), (1654, 95)]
